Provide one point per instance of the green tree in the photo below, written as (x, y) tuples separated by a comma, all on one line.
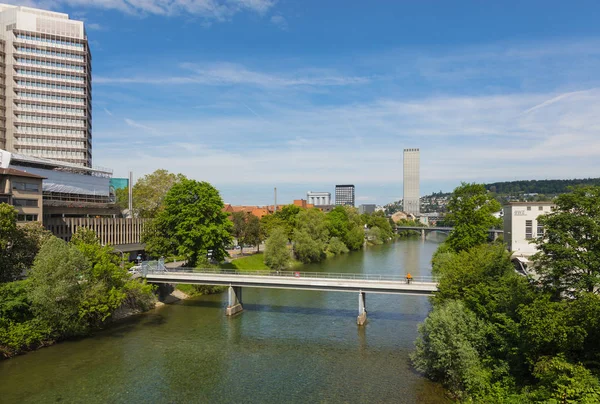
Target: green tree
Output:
[(289, 215), (247, 229), (193, 221), (270, 222), (18, 245), (277, 256), (336, 246), (450, 348), (471, 209), (311, 236), (564, 382), (150, 191), (568, 260), (345, 223), (57, 290), (379, 220)]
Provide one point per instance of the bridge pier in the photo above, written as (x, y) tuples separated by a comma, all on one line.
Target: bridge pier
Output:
[(362, 309), (422, 234), (234, 304)]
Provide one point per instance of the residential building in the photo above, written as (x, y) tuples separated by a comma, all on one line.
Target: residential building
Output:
[(22, 190), (45, 85), (303, 203), (411, 181), (318, 198), (367, 208), (521, 226), (344, 195)]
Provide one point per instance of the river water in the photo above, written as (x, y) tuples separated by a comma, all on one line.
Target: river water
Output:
[(286, 347)]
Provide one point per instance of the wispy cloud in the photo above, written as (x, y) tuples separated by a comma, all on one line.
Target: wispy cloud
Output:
[(219, 10), (137, 125), (108, 112), (280, 22), (226, 74)]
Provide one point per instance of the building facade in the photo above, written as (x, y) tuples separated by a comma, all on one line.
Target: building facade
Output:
[(411, 192), (22, 190), (45, 85), (367, 208), (344, 195), (318, 198), (521, 226)]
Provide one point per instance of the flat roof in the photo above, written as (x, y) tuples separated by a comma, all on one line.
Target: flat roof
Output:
[(545, 203), (19, 173)]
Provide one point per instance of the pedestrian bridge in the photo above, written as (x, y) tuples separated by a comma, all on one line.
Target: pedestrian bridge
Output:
[(319, 281), (424, 230)]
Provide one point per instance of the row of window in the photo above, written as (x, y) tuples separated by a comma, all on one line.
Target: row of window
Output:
[(48, 40), (58, 76), (51, 108), (53, 153), (27, 141), (540, 208), (37, 129), (63, 98), (50, 86), (27, 218), (25, 203), (46, 63), (25, 186), (529, 229), (65, 55), (43, 119)]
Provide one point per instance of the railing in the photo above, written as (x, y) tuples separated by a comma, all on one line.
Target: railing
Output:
[(292, 274)]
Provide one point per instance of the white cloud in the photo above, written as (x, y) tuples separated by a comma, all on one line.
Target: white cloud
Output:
[(220, 74), (108, 112), (280, 22), (94, 26), (137, 125), (214, 9)]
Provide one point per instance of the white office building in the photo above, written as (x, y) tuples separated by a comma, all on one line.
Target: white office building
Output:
[(45, 85), (521, 226), (318, 198), (412, 201)]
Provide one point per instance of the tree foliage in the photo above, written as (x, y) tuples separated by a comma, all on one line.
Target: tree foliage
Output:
[(277, 256), (192, 221), (344, 223), (247, 229), (470, 210), (568, 260), (311, 236), (149, 192)]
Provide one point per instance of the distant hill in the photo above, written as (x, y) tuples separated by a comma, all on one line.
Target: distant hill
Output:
[(545, 187)]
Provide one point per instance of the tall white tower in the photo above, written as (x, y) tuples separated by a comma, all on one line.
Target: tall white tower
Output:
[(45, 85), (412, 194)]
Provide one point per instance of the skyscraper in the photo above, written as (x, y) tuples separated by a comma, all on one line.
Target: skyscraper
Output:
[(344, 195), (45, 91), (411, 181)]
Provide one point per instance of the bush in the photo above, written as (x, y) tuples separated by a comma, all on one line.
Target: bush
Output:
[(337, 246)]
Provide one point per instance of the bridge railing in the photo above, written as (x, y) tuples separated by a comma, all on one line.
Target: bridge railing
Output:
[(296, 274)]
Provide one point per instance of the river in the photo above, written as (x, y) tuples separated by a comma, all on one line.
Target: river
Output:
[(286, 347)]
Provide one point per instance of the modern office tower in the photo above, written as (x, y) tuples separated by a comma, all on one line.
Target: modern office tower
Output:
[(411, 181), (318, 198), (344, 195), (45, 85)]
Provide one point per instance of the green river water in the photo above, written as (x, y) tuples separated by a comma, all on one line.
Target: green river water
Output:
[(286, 347)]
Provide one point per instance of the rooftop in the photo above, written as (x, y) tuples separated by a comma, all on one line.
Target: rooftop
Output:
[(19, 173)]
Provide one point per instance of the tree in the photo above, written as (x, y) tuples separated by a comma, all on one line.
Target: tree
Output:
[(193, 221), (18, 245), (470, 209), (56, 291), (247, 229), (344, 223), (379, 220), (150, 191), (277, 255), (289, 215), (311, 236), (336, 246), (568, 260)]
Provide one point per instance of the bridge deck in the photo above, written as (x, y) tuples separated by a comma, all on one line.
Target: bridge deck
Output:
[(299, 281)]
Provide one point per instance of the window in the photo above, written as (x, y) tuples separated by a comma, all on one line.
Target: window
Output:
[(541, 208), (528, 229), (24, 186), (3, 199), (31, 203), (540, 230), (529, 208), (27, 218)]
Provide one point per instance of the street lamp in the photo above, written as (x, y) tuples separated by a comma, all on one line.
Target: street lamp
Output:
[(122, 257)]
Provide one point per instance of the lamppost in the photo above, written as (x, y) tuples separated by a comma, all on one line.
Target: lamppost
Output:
[(122, 257)]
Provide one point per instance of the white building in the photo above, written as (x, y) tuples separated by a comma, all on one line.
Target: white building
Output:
[(318, 198), (521, 226), (412, 195), (45, 85)]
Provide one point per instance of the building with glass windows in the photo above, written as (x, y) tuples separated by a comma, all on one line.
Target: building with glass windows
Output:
[(344, 195), (45, 85), (521, 226), (318, 198), (412, 197)]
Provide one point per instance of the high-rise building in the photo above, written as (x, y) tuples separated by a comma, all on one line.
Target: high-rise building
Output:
[(411, 181), (45, 85), (318, 198), (344, 195)]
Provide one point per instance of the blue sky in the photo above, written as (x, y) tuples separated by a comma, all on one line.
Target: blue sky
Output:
[(301, 95)]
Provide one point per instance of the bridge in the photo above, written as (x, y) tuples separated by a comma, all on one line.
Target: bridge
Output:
[(424, 230), (320, 281)]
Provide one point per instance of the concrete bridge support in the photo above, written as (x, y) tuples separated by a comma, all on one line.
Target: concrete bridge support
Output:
[(362, 309), (422, 234), (234, 304)]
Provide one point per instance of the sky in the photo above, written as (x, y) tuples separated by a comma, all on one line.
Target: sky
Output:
[(302, 95)]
